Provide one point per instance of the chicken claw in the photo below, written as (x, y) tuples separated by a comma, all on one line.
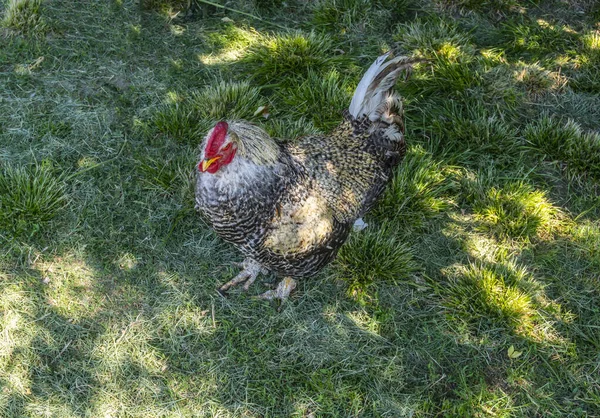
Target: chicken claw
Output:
[(251, 270), (283, 290)]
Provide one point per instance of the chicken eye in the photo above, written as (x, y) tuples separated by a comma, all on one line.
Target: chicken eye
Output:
[(226, 147)]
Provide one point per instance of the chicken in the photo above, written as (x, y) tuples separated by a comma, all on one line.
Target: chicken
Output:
[(289, 207)]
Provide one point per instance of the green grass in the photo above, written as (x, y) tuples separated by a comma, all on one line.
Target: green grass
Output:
[(29, 198), (567, 142), (321, 96), (422, 188), (514, 210), (24, 16), (277, 60), (487, 238), (374, 257), (494, 295), (185, 118)]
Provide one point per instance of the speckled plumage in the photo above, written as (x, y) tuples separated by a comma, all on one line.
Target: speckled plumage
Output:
[(291, 206)]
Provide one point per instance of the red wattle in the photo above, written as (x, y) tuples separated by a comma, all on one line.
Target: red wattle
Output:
[(214, 167), (227, 158)]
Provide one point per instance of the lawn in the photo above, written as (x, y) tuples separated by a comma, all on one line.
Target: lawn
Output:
[(474, 291)]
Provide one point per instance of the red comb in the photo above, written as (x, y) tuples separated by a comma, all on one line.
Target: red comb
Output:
[(216, 140)]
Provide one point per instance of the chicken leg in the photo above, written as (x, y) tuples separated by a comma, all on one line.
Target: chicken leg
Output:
[(251, 270)]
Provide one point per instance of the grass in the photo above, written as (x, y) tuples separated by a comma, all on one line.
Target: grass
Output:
[(515, 210), (485, 245), (375, 257), (24, 16), (422, 188), (184, 118), (567, 142), (490, 296), (277, 60), (322, 96), (30, 198)]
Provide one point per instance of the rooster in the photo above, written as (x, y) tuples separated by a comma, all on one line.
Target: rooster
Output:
[(289, 207)]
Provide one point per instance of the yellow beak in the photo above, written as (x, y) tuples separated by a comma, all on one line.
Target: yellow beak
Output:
[(208, 163)]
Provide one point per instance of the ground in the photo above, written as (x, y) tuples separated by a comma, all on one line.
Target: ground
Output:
[(474, 290)]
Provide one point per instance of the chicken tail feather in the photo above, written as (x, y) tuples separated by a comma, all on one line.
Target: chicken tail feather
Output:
[(373, 97)]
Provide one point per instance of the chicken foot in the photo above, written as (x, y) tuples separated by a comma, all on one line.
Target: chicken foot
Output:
[(251, 270), (283, 290)]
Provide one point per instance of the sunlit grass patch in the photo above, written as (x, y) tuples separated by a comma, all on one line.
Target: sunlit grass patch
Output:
[(232, 100), (232, 42), (571, 264), (185, 328), (455, 75), (478, 399), (193, 322), (487, 293), (552, 134), (514, 210), (586, 74), (428, 37), (421, 188), (277, 59), (453, 67), (586, 71), (591, 41), (17, 311), (483, 247), (233, 37), (442, 91), (186, 119), (586, 236), (37, 341), (70, 287), (127, 365), (372, 257), (24, 16), (536, 38), (128, 341), (320, 97), (499, 291), (347, 366), (567, 142), (30, 197), (536, 80)]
